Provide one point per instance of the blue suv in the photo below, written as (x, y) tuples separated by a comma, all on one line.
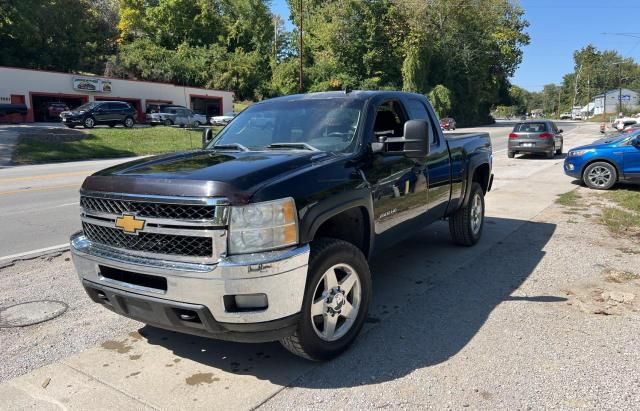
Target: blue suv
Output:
[(603, 163)]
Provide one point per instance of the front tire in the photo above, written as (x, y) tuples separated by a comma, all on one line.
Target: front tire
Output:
[(466, 224), (336, 301), (196, 124), (128, 122), (600, 176), (89, 122), (168, 123)]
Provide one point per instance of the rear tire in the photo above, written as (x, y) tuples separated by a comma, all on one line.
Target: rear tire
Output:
[(70, 126), (511, 154), (168, 123), (559, 151), (339, 283), (600, 176), (466, 224), (551, 153)]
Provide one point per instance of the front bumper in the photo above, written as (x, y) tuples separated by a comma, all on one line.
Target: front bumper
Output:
[(573, 167), (72, 120), (198, 298)]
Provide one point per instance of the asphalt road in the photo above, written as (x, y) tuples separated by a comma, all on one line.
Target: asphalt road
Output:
[(39, 204)]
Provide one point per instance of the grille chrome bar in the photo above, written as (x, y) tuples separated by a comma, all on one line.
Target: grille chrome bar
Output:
[(177, 228), (196, 211)]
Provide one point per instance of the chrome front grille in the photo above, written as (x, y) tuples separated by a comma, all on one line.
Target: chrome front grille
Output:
[(165, 244), (175, 228), (149, 209)]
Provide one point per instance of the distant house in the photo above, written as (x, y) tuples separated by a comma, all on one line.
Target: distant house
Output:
[(629, 99)]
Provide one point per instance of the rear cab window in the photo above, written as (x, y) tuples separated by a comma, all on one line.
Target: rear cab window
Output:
[(530, 128)]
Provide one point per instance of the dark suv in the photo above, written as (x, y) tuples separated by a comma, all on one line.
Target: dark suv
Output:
[(95, 113)]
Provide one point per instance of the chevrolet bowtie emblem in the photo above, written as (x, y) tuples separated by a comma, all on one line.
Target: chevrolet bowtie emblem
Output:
[(129, 223)]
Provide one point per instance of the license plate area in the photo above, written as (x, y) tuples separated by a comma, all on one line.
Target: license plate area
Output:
[(527, 144)]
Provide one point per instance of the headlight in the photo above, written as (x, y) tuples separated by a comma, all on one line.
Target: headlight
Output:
[(263, 226), (578, 153)]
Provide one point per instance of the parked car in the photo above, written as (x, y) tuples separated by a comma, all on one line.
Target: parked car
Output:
[(535, 137), (265, 233), (603, 163), (162, 114), (223, 120), (96, 113), (54, 109), (565, 116), (621, 123), (447, 123), (176, 115)]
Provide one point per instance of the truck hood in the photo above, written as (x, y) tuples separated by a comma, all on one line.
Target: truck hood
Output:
[(203, 173)]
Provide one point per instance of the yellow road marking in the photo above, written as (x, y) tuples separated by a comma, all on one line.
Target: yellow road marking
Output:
[(46, 176), (26, 190)]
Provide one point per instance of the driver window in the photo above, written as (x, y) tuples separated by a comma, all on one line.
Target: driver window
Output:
[(390, 119)]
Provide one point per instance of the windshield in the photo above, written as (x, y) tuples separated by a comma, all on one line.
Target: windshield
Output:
[(326, 125), (87, 106)]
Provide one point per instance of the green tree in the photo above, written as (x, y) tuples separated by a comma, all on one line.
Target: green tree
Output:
[(440, 98)]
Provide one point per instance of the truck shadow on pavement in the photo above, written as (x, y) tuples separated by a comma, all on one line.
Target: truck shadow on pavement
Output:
[(430, 299)]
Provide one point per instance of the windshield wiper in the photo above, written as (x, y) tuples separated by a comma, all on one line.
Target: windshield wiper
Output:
[(230, 146), (303, 146)]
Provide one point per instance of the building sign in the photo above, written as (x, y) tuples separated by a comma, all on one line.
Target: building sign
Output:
[(91, 84)]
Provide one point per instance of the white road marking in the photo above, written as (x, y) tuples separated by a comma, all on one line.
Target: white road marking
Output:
[(59, 247)]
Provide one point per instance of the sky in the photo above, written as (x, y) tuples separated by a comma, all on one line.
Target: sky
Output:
[(558, 28)]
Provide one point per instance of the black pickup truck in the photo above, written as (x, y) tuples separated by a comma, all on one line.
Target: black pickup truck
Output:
[(265, 233)]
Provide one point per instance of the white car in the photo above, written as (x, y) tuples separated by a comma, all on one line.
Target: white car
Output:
[(176, 115), (223, 120)]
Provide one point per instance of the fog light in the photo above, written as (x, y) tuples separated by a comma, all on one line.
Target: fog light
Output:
[(570, 167)]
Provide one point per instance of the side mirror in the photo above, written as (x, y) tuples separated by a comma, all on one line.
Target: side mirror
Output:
[(414, 144), (636, 142), (560, 131), (207, 136)]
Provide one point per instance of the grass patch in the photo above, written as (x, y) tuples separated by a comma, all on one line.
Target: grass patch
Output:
[(75, 145), (626, 198), (619, 221), (238, 107), (569, 199)]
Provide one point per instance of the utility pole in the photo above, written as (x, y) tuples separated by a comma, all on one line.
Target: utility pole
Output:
[(301, 86), (620, 87), (588, 92), (559, 91)]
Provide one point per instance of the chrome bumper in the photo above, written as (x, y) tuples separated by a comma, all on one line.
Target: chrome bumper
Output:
[(280, 275)]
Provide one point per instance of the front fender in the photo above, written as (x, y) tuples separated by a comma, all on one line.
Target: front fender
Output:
[(313, 215)]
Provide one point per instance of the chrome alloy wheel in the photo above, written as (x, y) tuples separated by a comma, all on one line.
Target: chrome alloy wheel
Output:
[(89, 122), (599, 176), (476, 214), (128, 122), (336, 302)]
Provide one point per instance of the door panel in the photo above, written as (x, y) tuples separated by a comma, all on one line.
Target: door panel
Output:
[(631, 162), (438, 167), (398, 183)]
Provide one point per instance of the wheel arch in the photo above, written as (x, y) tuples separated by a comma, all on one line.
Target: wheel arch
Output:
[(349, 217)]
